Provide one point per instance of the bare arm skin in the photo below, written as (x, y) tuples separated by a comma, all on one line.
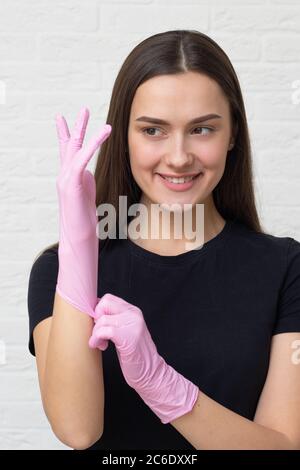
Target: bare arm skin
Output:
[(70, 375)]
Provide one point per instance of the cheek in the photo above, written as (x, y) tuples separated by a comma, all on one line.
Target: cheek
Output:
[(144, 152), (143, 159), (214, 163), (212, 154)]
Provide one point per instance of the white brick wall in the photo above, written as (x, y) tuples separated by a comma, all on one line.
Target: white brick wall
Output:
[(61, 54)]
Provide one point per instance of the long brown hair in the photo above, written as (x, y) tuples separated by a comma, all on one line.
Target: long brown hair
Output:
[(176, 52)]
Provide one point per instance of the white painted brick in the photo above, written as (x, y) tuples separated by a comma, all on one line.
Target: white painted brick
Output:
[(132, 2), (15, 107), (13, 220), (275, 134), (199, 3), (145, 19), (15, 274), (285, 2), (25, 191), (109, 71), (283, 221), (239, 47), (45, 162), (42, 15), (51, 76), (267, 76), (85, 48), (43, 105), (276, 106), (57, 56), (18, 47), (265, 18), (14, 331), (29, 134), (17, 387), (281, 192), (45, 219), (284, 48), (279, 162), (23, 247), (14, 162), (29, 439), (18, 360), (19, 414), (20, 439), (13, 303), (42, 134)]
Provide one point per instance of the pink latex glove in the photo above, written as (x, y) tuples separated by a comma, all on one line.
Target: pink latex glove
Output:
[(165, 391), (78, 241)]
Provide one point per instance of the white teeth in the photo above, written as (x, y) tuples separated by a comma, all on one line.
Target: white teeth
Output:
[(179, 180)]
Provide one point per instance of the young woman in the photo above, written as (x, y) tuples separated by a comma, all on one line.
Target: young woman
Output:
[(141, 343)]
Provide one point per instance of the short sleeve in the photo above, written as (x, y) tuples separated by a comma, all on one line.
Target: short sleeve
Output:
[(41, 290), (288, 313)]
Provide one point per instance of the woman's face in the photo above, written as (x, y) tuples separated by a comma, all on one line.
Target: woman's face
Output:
[(178, 147)]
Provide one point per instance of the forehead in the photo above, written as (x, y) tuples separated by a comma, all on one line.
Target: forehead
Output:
[(194, 92)]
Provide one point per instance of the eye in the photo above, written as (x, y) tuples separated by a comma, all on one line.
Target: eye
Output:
[(207, 128), (144, 131), (147, 129)]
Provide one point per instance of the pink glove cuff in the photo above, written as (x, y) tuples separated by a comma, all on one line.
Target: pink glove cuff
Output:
[(78, 242), (162, 388), (173, 396), (82, 304)]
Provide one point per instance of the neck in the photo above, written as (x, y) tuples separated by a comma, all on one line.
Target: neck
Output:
[(167, 233)]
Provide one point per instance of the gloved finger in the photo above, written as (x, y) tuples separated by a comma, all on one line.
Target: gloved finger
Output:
[(110, 305), (87, 153), (109, 320), (78, 133), (95, 314), (103, 333), (63, 135), (90, 186), (98, 311), (102, 344)]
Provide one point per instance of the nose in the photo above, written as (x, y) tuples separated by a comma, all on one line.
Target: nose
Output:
[(178, 157)]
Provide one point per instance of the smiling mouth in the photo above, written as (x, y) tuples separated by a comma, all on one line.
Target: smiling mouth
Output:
[(181, 177), (180, 185)]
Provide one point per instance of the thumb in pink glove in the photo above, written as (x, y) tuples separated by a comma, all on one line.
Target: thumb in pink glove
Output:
[(78, 241), (164, 390)]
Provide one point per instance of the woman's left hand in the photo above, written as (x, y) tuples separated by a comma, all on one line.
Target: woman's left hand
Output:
[(164, 390), (124, 324)]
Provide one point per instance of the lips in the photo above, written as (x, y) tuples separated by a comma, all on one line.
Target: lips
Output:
[(185, 176), (185, 186)]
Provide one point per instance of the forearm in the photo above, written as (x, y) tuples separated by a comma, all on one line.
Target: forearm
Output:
[(73, 379), (211, 426)]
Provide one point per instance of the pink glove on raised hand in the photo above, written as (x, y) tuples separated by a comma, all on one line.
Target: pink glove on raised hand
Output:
[(164, 390), (78, 241)]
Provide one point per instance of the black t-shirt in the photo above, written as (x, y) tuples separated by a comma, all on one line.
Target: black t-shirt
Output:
[(211, 312)]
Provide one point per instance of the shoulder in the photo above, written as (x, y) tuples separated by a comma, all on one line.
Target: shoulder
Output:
[(264, 243), (41, 289), (44, 266), (49, 254)]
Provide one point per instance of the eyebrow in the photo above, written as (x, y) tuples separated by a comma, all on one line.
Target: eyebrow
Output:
[(193, 121)]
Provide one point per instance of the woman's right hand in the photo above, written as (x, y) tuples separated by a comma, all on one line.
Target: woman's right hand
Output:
[(76, 188), (75, 185)]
